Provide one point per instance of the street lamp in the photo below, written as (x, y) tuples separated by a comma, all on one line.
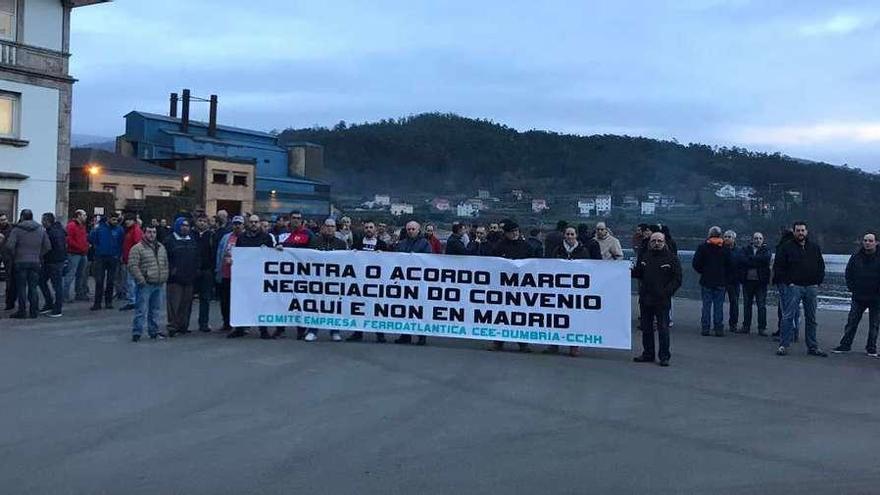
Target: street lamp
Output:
[(94, 170), (186, 178)]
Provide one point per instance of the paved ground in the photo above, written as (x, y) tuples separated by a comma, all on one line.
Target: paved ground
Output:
[(86, 411)]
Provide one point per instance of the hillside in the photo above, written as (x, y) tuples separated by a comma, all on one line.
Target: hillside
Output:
[(444, 154)]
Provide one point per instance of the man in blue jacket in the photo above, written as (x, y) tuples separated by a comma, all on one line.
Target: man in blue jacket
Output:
[(106, 239), (756, 276), (414, 242)]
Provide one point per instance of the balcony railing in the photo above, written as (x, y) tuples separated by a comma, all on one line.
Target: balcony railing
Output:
[(33, 59)]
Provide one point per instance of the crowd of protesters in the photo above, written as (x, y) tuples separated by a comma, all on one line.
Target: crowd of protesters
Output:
[(144, 265)]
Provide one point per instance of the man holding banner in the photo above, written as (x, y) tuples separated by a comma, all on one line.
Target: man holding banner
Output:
[(512, 247), (413, 243), (369, 242), (659, 271), (326, 241)]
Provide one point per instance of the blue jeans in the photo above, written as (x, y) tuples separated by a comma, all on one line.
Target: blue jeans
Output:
[(52, 273), (27, 277), (780, 310), (149, 302), (713, 308), (795, 296), (76, 270), (132, 287)]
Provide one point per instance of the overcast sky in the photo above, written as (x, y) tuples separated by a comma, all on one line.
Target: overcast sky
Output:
[(796, 76)]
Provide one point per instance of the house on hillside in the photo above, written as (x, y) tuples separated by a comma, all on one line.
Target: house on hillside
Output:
[(466, 210), (603, 204), (36, 90), (539, 205), (477, 204), (398, 209), (382, 200), (586, 207), (648, 207), (726, 191), (440, 204), (483, 193)]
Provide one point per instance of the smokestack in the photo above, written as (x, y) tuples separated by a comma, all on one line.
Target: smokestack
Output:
[(212, 118), (184, 117), (173, 112)]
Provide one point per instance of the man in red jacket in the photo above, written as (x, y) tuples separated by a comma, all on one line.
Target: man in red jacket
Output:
[(77, 257), (133, 235)]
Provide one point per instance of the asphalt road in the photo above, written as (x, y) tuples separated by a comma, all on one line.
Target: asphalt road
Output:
[(85, 411)]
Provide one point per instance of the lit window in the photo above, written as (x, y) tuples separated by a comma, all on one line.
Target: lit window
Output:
[(138, 192), (7, 20), (8, 115), (239, 180), (165, 193)]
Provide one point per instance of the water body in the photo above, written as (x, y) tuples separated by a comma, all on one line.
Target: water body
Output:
[(833, 294)]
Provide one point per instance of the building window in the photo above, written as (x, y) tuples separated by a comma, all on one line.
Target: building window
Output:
[(110, 188), (165, 193), (220, 178), (138, 192), (7, 20), (239, 180), (9, 115)]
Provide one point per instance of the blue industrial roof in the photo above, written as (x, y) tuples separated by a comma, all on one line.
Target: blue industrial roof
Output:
[(175, 120)]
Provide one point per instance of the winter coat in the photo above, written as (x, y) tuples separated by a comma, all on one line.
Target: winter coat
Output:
[(536, 246), (436, 245), (413, 245), (58, 242), (610, 247), (257, 239), (659, 273), (207, 249), (517, 249), (863, 276), (552, 241), (106, 240), (148, 263), (77, 238), (484, 248), (27, 242), (712, 262), (580, 252), (787, 236), (759, 261), (184, 259), (133, 235), (324, 243), (737, 272), (455, 245), (799, 265)]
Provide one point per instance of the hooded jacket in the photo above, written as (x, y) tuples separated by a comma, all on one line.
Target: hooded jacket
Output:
[(184, 259), (712, 262), (660, 275), (863, 275), (77, 238), (107, 240), (27, 242), (58, 242), (133, 235)]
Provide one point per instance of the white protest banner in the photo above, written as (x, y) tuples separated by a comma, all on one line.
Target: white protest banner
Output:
[(542, 301)]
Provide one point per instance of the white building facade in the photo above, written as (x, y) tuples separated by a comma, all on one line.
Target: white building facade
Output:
[(603, 204), (35, 100)]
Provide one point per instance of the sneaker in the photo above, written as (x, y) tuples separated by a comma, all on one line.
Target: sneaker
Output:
[(335, 337), (55, 315), (643, 359), (158, 336), (46, 310), (136, 337), (871, 353), (840, 350), (205, 329), (310, 337), (781, 351), (664, 363), (817, 352)]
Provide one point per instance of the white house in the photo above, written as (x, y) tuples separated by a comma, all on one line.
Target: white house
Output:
[(586, 207), (648, 207), (477, 204), (35, 101), (466, 210), (398, 209), (441, 204), (603, 204), (382, 200), (483, 194), (539, 205), (726, 191)]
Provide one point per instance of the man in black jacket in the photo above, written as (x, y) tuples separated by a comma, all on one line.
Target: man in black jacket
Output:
[(184, 263), (204, 287), (53, 266), (659, 271), (513, 247), (479, 245), (756, 276), (368, 242), (863, 281), (712, 262), (455, 243), (801, 268), (326, 241), (252, 237)]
